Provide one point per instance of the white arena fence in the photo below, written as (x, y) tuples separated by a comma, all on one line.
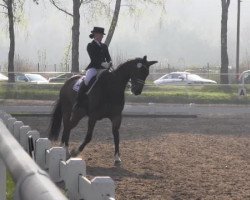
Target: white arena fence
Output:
[(33, 163)]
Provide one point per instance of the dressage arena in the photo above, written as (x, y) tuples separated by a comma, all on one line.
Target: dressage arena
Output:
[(207, 157)]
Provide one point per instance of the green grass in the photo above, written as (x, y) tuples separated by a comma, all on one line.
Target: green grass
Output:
[(30, 91), (10, 185), (226, 94), (213, 94)]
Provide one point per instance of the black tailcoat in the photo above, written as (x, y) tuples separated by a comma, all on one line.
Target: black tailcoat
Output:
[(98, 54)]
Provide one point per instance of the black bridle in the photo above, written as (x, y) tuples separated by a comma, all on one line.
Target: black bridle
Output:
[(137, 82)]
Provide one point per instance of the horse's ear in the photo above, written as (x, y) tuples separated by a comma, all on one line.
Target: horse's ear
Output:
[(152, 62), (144, 59)]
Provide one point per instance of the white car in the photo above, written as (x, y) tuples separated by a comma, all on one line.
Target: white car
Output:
[(31, 78), (244, 77), (3, 77), (176, 78), (61, 78)]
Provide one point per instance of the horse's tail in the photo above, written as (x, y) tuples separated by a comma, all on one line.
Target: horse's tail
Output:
[(56, 121)]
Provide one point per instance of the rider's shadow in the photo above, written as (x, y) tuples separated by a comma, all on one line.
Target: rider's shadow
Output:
[(117, 173)]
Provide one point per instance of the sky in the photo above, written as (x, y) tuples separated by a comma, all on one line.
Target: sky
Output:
[(186, 34)]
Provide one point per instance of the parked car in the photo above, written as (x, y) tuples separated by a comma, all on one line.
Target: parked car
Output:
[(244, 77), (3, 77), (60, 78), (32, 78), (182, 78)]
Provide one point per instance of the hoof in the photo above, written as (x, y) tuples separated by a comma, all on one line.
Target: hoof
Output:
[(117, 163), (118, 160), (74, 152)]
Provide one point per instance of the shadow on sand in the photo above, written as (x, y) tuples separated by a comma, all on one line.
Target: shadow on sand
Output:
[(117, 173)]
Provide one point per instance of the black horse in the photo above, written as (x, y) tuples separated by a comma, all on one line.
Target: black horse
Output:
[(105, 100)]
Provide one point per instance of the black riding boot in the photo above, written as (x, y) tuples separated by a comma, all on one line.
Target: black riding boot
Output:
[(81, 98)]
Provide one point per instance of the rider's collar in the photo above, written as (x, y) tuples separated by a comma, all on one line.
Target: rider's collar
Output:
[(97, 42)]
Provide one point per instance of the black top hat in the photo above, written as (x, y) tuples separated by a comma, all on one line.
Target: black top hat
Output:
[(98, 30)]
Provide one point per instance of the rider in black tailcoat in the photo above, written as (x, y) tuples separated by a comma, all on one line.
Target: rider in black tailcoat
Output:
[(99, 59), (98, 54)]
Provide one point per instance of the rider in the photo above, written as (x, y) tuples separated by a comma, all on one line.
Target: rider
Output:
[(99, 59)]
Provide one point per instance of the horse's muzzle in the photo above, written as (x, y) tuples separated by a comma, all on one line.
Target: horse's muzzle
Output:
[(136, 91)]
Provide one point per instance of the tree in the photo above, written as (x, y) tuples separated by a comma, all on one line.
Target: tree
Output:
[(224, 55), (132, 6), (75, 31), (113, 23), (10, 7)]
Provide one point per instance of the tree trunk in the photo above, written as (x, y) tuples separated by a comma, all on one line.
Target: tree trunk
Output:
[(113, 23), (75, 36), (224, 56), (12, 41)]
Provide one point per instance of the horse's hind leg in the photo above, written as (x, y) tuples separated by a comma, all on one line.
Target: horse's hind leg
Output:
[(88, 137), (116, 123), (70, 120), (66, 129), (66, 132)]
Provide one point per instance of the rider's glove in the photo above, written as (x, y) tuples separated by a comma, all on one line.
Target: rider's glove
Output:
[(105, 65)]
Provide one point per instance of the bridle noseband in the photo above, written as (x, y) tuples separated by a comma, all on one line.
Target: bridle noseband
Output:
[(140, 81)]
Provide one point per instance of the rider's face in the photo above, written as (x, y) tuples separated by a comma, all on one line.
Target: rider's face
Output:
[(98, 36)]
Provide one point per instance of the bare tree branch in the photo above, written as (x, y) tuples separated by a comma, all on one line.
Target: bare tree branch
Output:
[(5, 13), (3, 5), (36, 1), (86, 1), (61, 9)]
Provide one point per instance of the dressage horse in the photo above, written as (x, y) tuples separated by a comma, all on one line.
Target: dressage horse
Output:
[(105, 100)]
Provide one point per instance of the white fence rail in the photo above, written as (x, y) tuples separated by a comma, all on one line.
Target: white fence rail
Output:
[(32, 182)]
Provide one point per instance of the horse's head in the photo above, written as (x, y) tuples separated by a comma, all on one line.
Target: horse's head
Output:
[(139, 74)]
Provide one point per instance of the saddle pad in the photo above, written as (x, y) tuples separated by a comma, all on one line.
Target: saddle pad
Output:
[(77, 84)]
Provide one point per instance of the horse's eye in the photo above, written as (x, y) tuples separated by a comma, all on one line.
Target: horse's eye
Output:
[(139, 65)]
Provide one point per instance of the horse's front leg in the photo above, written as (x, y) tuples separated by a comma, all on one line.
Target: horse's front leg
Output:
[(91, 125), (116, 123)]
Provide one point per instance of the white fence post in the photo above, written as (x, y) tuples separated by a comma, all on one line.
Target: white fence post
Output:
[(105, 186), (2, 180), (5, 118), (99, 188), (85, 189), (2, 113), (53, 158), (23, 133), (16, 129), (10, 124), (42, 145), (75, 167)]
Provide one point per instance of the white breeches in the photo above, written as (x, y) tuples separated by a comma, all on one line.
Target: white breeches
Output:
[(90, 73)]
